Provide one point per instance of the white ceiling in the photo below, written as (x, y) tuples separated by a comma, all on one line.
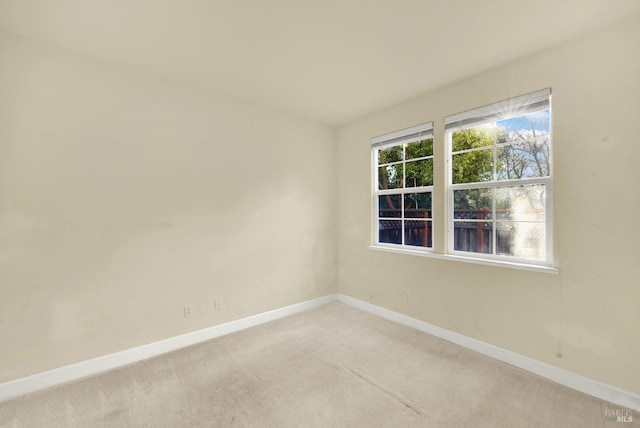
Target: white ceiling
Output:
[(328, 60)]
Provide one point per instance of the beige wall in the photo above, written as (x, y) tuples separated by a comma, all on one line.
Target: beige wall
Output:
[(590, 312), (123, 198)]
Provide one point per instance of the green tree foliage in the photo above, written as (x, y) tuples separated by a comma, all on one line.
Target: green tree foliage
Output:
[(405, 166), (390, 176), (419, 172), (420, 149), (392, 154), (474, 166), (520, 153)]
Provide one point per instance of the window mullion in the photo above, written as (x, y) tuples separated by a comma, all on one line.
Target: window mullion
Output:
[(501, 183), (494, 223), (404, 186), (380, 165), (420, 158)]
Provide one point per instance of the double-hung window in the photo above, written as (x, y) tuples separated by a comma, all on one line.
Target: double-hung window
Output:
[(403, 168), (499, 184)]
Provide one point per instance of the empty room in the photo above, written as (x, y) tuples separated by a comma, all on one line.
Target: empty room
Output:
[(319, 214)]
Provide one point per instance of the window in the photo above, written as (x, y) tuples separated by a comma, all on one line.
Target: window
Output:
[(499, 184), (403, 168), (496, 186)]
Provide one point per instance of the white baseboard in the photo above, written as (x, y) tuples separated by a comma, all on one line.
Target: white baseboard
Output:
[(94, 366), (555, 374)]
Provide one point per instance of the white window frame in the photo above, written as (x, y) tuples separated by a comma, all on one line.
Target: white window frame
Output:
[(404, 136), (495, 112)]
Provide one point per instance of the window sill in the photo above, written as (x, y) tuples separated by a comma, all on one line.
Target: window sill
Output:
[(456, 258)]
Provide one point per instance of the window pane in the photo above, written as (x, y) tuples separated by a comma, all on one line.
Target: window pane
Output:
[(419, 173), (472, 204), (420, 149), (389, 206), (388, 155), (390, 176), (473, 236), (524, 240), (390, 231), (522, 203), (524, 127), (417, 205), (472, 167), (470, 138), (417, 233), (523, 160)]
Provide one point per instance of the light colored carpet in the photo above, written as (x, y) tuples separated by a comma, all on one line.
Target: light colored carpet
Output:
[(333, 366)]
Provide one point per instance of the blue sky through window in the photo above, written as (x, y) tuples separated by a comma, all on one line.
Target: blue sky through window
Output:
[(540, 119)]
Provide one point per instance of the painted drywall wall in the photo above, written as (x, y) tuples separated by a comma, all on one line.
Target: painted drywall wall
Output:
[(589, 313), (124, 198)]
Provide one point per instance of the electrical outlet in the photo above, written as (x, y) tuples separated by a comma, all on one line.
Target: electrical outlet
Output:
[(218, 304), (187, 311), (405, 293)]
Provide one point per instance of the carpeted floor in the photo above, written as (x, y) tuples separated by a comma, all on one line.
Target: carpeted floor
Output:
[(333, 366)]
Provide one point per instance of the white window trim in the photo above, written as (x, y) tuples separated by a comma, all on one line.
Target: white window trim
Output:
[(457, 258)]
